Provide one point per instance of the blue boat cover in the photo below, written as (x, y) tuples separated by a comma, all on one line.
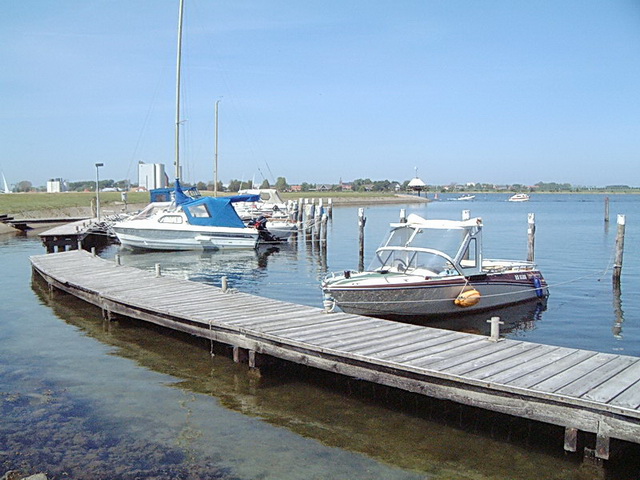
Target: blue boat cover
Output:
[(211, 211)]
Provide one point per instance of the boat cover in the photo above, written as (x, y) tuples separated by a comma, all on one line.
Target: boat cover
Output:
[(211, 211)]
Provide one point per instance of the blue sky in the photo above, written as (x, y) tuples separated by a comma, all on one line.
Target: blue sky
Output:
[(466, 91)]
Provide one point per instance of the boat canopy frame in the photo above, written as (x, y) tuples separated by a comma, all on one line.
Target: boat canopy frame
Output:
[(465, 260)]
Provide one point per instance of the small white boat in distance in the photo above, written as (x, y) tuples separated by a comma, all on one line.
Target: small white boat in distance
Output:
[(428, 268), (466, 198), (205, 223), (519, 197)]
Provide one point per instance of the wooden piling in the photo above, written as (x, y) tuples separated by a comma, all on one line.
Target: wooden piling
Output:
[(617, 266), (300, 212), (606, 209), (531, 235), (323, 229), (361, 223)]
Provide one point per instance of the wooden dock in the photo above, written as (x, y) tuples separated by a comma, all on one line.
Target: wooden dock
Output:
[(82, 233), (579, 390)]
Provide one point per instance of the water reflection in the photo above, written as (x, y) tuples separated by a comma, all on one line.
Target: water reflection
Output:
[(617, 310), (407, 432), (243, 267), (517, 319)]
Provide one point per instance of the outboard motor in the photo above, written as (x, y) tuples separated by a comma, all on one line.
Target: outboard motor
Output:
[(260, 224)]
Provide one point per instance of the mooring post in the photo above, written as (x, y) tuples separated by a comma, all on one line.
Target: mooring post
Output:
[(403, 215), (323, 229), (225, 284), (495, 329), (531, 235), (79, 244), (301, 210), (617, 266), (361, 222), (158, 271), (606, 209), (330, 208), (310, 211), (93, 251), (317, 232), (466, 214), (118, 263)]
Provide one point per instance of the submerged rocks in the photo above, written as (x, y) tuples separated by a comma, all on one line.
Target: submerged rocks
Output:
[(15, 475)]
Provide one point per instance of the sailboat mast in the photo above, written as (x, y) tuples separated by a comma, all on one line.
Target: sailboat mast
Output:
[(215, 174), (178, 69)]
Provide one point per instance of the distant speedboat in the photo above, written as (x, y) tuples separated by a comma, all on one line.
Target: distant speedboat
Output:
[(205, 223), (465, 198), (427, 268), (519, 197)]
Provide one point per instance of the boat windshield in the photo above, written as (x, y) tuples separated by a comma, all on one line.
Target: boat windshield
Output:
[(409, 261), (409, 247), (150, 210), (444, 240)]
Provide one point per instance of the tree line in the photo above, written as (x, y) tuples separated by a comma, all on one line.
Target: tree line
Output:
[(358, 185)]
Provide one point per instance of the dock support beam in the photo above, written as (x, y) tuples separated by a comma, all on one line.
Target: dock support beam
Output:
[(570, 439), (240, 354)]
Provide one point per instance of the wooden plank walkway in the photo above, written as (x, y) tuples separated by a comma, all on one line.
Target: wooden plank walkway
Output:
[(576, 389)]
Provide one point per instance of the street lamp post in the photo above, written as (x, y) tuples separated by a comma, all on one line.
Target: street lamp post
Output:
[(98, 165)]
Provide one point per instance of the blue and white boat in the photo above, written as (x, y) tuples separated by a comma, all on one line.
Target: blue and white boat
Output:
[(186, 223)]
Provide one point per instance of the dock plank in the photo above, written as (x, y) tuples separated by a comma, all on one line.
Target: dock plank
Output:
[(616, 384), (597, 377), (497, 361), (629, 397), (539, 369), (471, 352)]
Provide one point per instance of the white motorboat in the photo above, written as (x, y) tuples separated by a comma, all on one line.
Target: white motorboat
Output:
[(269, 204), (519, 197), (465, 198), (187, 224), (427, 268)]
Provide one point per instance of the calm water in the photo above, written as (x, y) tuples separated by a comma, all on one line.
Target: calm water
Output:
[(85, 399)]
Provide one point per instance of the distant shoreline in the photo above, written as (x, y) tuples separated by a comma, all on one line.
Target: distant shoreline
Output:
[(20, 206)]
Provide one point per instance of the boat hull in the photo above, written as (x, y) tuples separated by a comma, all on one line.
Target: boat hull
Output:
[(183, 239), (386, 297)]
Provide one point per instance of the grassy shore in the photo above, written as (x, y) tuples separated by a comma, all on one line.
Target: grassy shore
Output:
[(31, 205)]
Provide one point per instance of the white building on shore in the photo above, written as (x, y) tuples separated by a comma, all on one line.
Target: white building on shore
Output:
[(152, 175), (57, 185)]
